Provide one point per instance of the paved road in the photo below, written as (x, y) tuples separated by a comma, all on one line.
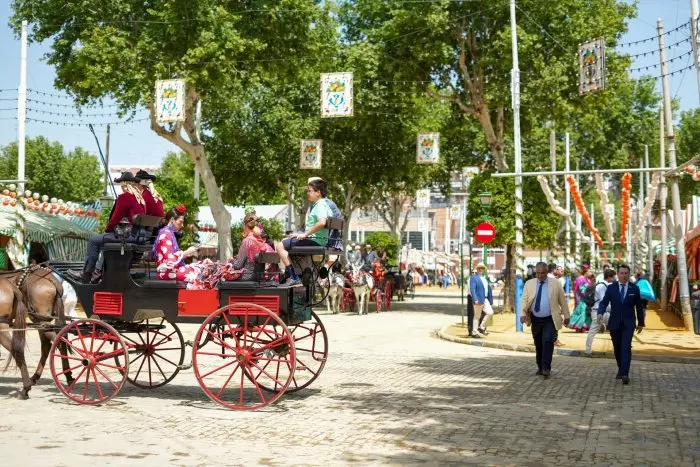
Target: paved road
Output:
[(390, 394)]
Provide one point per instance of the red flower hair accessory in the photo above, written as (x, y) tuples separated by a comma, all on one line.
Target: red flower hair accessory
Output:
[(181, 209)]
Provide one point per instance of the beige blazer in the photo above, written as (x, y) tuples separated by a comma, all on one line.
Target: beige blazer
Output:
[(557, 301)]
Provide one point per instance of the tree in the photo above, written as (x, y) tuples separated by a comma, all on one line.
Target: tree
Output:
[(118, 51), (75, 176), (175, 184), (386, 241), (687, 148)]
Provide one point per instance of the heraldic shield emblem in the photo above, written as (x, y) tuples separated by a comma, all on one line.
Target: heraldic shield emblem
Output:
[(428, 148), (336, 94)]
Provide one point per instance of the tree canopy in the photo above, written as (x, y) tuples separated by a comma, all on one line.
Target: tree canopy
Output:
[(72, 176)]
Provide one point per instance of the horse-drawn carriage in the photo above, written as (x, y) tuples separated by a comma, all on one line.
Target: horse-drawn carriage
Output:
[(256, 340)]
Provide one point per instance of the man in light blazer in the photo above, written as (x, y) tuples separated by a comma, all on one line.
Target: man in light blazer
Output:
[(624, 299), (482, 295), (544, 307)]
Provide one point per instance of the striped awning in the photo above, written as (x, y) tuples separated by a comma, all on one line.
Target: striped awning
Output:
[(670, 248), (41, 227)]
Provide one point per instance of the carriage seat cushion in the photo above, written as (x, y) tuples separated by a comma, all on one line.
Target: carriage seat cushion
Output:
[(163, 284)]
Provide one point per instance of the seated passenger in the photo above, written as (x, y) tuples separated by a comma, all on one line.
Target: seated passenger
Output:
[(335, 239), (154, 202), (204, 274), (128, 204), (316, 233)]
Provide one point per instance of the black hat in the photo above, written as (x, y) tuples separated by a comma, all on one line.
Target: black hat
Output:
[(143, 175), (127, 177)]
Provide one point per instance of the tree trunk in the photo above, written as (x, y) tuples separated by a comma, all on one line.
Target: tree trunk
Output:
[(509, 281), (195, 150)]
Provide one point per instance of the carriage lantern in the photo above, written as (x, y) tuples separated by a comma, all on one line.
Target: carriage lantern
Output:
[(106, 201), (485, 199)]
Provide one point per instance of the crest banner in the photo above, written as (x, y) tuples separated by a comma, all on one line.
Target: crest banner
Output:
[(310, 155), (336, 95), (428, 148), (591, 63), (423, 198), (170, 100)]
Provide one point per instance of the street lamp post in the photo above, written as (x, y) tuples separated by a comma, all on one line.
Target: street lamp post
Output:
[(485, 201)]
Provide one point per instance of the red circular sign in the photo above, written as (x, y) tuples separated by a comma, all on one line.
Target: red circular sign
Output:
[(485, 232)]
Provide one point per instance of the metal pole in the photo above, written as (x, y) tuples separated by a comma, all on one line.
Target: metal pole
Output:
[(22, 107), (577, 245), (650, 240), (694, 38), (675, 192), (591, 247), (663, 194), (515, 96), (567, 247), (461, 278), (106, 162), (553, 155)]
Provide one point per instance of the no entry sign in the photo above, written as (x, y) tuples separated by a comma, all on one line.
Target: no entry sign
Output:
[(485, 232)]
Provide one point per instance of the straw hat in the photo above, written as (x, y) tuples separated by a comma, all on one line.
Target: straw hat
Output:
[(480, 266)]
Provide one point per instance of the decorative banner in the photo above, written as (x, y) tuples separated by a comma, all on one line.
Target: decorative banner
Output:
[(423, 198), (591, 64), (578, 201), (626, 190), (170, 100), (551, 199), (455, 211), (428, 148), (607, 215), (310, 157), (336, 95)]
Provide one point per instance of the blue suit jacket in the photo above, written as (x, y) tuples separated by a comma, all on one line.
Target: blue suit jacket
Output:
[(622, 311), (476, 287)]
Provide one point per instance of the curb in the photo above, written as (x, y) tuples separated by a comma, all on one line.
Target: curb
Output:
[(530, 348)]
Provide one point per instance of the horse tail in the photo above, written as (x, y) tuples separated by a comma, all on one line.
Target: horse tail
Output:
[(19, 337), (58, 308)]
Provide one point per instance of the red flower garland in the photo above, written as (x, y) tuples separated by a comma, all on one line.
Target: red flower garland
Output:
[(578, 201), (626, 190)]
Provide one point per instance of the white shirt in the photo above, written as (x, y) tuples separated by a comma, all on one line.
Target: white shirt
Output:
[(599, 295), (486, 286)]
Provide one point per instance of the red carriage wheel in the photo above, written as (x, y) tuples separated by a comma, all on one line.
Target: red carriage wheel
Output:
[(253, 350), (311, 344), (92, 347), (156, 353), (387, 295)]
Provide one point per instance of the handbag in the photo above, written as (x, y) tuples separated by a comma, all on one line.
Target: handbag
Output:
[(645, 290)]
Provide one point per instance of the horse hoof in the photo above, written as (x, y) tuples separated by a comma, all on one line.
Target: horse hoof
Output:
[(34, 379)]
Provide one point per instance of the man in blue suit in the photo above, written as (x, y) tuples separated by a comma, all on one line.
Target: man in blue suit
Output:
[(482, 295), (624, 298)]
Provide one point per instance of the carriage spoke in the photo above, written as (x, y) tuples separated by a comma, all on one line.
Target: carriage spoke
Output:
[(92, 339), (107, 377), (87, 380), (72, 385), (70, 344), (80, 337), (268, 375), (260, 393), (163, 339), (66, 357), (97, 384), (240, 390), (219, 368), (163, 358), (220, 341), (140, 368), (218, 394), (230, 330), (69, 370), (267, 320), (155, 362)]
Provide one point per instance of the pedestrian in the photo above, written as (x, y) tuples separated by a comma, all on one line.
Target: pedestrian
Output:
[(470, 312), (580, 280), (544, 308), (599, 321), (601, 277), (624, 299), (482, 294), (581, 317)]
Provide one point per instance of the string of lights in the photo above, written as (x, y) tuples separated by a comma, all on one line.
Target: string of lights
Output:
[(656, 51), (653, 38), (77, 115), (65, 106), (80, 124), (656, 65)]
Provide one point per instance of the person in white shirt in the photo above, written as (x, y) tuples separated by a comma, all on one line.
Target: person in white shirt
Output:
[(597, 325), (601, 277)]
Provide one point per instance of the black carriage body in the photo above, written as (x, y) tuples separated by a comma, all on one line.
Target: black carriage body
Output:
[(119, 298)]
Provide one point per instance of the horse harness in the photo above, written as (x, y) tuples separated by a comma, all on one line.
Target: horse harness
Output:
[(22, 284)]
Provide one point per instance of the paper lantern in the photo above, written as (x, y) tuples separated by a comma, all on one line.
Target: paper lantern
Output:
[(6, 192)]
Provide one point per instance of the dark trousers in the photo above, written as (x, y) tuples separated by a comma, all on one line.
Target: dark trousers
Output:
[(470, 313), (545, 335), (622, 344), (94, 247)]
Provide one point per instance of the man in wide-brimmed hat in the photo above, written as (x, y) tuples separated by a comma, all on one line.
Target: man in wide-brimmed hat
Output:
[(127, 205), (154, 202)]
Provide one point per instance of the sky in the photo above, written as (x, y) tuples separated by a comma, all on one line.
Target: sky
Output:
[(135, 144)]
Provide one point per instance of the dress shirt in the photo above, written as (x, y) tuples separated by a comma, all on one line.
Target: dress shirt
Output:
[(544, 300), (486, 286), (599, 294)]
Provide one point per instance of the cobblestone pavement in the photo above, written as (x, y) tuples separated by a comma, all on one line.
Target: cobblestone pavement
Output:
[(391, 393)]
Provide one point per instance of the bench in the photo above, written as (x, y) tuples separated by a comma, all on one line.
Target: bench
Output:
[(332, 247)]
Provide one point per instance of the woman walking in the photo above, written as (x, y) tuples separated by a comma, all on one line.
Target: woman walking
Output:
[(580, 319)]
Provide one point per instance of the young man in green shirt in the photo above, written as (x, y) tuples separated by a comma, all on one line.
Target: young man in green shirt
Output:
[(316, 233)]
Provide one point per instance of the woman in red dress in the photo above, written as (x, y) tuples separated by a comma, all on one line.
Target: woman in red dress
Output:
[(170, 259)]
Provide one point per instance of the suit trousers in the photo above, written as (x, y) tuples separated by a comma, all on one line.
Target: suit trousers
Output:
[(94, 247), (545, 335), (470, 313), (622, 344)]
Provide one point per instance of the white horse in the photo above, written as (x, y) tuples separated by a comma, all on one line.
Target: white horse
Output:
[(362, 284), (335, 283)]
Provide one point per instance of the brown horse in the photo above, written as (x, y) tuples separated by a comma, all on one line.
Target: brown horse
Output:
[(43, 296), (13, 314)]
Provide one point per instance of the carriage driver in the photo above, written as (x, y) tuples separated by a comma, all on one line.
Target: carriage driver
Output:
[(316, 233), (128, 204)]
